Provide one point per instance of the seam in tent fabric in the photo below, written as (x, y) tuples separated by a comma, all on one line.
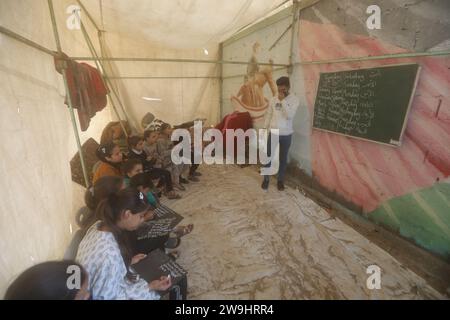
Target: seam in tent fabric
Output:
[(240, 13)]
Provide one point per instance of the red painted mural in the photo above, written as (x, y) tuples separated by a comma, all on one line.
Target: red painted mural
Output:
[(367, 173)]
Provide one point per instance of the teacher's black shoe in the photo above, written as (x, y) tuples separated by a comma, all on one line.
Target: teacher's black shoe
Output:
[(280, 186), (265, 184)]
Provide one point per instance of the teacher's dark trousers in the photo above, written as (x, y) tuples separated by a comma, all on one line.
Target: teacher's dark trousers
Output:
[(285, 144)]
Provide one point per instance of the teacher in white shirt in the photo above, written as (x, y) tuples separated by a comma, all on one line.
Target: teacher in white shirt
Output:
[(280, 116)]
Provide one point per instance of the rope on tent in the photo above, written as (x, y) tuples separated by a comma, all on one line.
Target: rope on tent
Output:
[(100, 3), (69, 98), (244, 8), (88, 14), (256, 20), (101, 69), (280, 37), (97, 62), (109, 67)]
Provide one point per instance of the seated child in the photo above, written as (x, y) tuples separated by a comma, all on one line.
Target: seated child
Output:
[(193, 174), (137, 152), (133, 172), (113, 132), (164, 149), (48, 281), (142, 183), (106, 254), (131, 168), (151, 137), (102, 188), (110, 158)]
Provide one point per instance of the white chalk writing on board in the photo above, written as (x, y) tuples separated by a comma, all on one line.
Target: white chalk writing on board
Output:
[(344, 101)]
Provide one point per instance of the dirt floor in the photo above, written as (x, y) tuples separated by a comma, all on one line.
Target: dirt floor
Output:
[(251, 244)]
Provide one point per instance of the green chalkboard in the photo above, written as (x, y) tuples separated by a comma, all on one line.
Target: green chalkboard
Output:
[(370, 104)]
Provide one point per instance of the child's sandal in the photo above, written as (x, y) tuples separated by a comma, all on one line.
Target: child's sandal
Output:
[(182, 231), (173, 195), (174, 255)]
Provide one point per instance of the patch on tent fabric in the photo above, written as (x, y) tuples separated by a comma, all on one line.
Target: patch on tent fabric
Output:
[(90, 159)]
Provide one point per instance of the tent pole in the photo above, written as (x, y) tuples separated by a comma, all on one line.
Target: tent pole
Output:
[(101, 69), (156, 77), (244, 74), (178, 61), (55, 28), (37, 46), (69, 98), (88, 15), (382, 57), (280, 37), (97, 62), (103, 53), (221, 81), (30, 43), (294, 28), (259, 24)]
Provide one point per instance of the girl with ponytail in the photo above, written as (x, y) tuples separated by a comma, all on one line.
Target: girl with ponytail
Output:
[(106, 253), (110, 158)]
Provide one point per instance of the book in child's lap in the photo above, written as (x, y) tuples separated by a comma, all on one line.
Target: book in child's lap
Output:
[(165, 220), (158, 264)]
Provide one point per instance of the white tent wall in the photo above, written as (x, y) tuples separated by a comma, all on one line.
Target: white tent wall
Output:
[(183, 99), (171, 30), (37, 139)]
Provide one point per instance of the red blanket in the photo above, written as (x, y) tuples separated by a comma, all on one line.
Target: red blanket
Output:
[(235, 120), (87, 89)]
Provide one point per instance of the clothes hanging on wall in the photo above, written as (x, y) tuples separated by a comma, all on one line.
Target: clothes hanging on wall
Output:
[(87, 89)]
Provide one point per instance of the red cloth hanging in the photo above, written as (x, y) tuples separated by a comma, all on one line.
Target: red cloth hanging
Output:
[(87, 89)]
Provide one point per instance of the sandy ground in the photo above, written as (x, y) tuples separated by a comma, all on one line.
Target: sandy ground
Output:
[(251, 244)]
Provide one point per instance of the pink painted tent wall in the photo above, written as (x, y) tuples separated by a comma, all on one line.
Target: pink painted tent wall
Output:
[(366, 173)]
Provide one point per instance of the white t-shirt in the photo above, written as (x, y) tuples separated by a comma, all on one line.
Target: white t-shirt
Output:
[(282, 117)]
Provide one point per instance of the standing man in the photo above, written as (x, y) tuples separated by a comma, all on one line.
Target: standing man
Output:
[(280, 116)]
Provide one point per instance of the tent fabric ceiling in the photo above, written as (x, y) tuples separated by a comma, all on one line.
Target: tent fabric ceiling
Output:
[(178, 23)]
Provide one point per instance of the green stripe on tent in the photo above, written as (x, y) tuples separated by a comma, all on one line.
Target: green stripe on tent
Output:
[(423, 216)]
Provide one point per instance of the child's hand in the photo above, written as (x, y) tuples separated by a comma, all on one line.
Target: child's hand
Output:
[(138, 258), (162, 284), (149, 215)]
